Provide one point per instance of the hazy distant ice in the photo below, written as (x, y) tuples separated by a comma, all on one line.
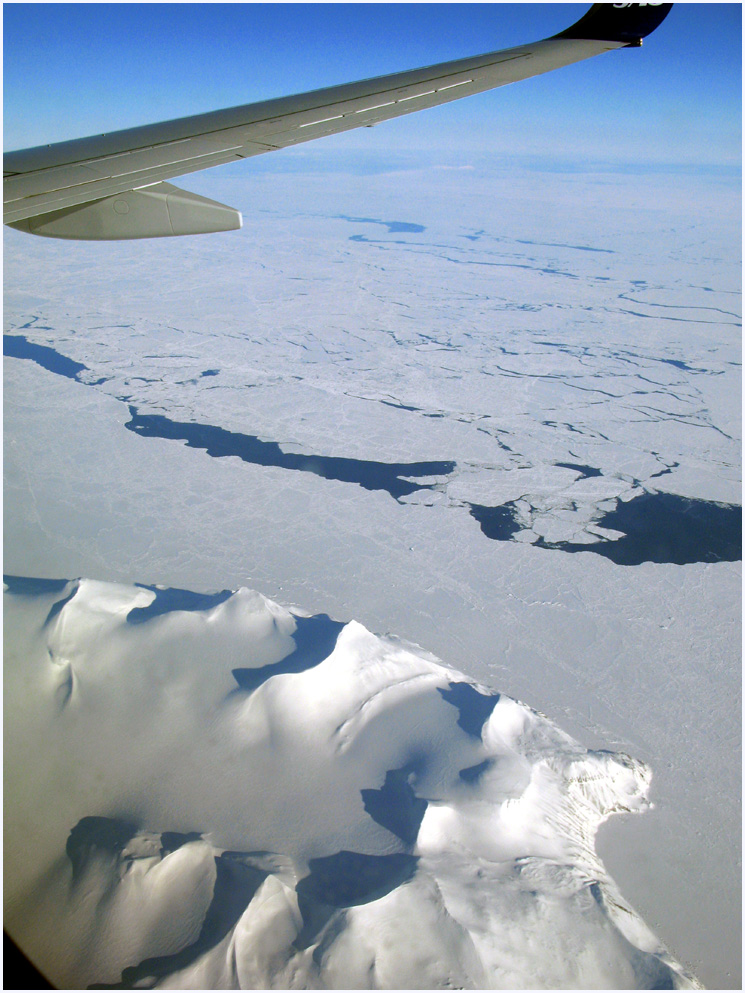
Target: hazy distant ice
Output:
[(570, 343)]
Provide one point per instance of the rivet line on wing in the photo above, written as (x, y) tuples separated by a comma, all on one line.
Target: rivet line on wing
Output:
[(390, 103), (323, 120)]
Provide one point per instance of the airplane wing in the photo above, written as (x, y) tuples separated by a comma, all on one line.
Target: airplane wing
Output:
[(114, 186)]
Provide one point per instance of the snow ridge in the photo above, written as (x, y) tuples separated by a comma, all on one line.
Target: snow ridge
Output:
[(236, 795)]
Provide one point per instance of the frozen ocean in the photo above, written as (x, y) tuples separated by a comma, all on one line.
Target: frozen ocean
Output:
[(372, 611)]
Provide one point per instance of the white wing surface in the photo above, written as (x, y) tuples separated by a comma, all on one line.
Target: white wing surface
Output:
[(114, 185)]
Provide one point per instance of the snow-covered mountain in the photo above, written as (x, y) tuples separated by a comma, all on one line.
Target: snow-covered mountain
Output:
[(213, 791)]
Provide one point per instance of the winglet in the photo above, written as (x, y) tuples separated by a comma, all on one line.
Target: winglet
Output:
[(620, 22)]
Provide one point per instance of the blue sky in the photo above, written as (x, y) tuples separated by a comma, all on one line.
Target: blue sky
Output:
[(77, 69)]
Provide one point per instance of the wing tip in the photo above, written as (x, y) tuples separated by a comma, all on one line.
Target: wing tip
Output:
[(625, 23)]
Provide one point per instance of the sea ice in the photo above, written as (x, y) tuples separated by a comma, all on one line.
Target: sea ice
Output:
[(556, 345)]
